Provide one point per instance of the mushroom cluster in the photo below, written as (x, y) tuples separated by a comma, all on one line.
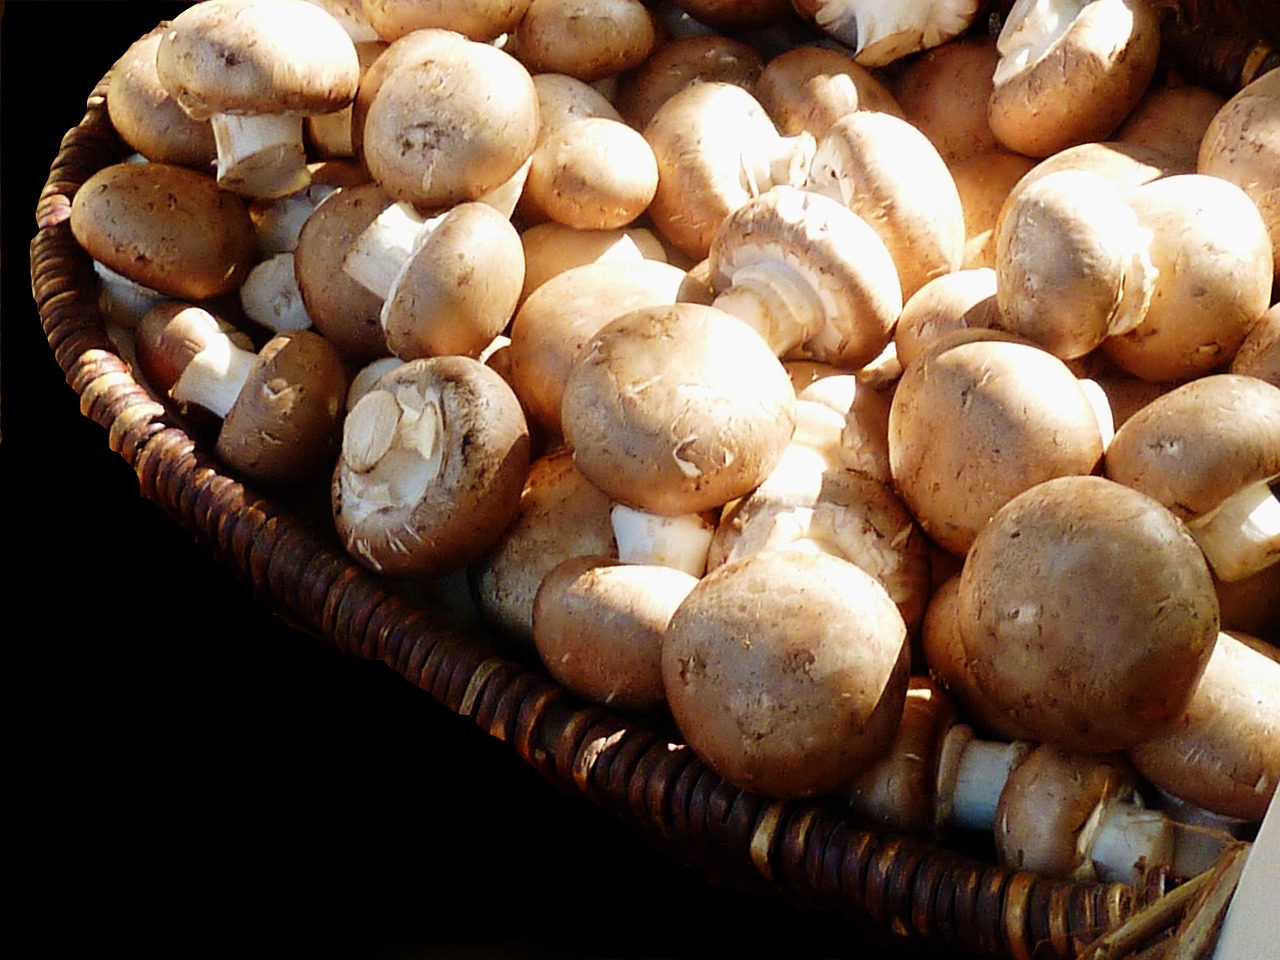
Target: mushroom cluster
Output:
[(790, 370)]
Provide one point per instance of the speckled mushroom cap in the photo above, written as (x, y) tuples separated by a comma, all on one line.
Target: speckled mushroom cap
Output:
[(247, 56), (677, 409), (166, 227), (1223, 755), (787, 672), (808, 88), (680, 62), (482, 20), (1088, 614)]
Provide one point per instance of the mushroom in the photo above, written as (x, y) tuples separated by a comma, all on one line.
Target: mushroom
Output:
[(1070, 71), (812, 277), (270, 296), (787, 671), (1209, 450), (551, 248), (736, 14), (481, 20), (1240, 145), (806, 89), (959, 300), (680, 62), (279, 220), (598, 627), (148, 119), (165, 227), (591, 42), (1210, 246), (1259, 353), (843, 416), (1072, 264), (253, 69), (1172, 119), (329, 136), (716, 148), (1252, 604), (979, 417), (280, 408), (882, 31), (677, 409), (554, 325), (1223, 755), (340, 308), (561, 515), (433, 460), (459, 288), (450, 119), (1087, 614), (887, 172), (944, 93), (984, 182)]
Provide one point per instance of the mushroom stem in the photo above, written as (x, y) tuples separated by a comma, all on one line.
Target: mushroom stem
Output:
[(971, 777), (680, 541), (1242, 535), (385, 246), (1124, 840), (260, 155), (270, 295), (766, 163), (215, 376), (774, 300)]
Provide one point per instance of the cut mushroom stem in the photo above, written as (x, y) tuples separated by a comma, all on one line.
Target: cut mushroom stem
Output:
[(261, 155), (215, 376), (679, 541), (973, 774), (1242, 535)]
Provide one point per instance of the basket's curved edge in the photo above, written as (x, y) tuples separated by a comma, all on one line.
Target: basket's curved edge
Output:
[(902, 889)]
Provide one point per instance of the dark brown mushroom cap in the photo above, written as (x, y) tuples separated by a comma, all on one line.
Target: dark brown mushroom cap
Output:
[(166, 227), (1223, 755), (1088, 613), (787, 672), (284, 425), (677, 408), (148, 118), (249, 57), (1194, 446), (434, 457)]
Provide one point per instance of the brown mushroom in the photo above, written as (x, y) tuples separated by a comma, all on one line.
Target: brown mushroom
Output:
[(944, 93), (588, 41), (787, 672), (680, 62), (433, 460), (1087, 613), (806, 89), (1259, 354), (881, 32), (481, 20)]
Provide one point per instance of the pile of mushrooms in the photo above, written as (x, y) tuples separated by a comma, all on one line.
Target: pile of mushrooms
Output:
[(789, 370)]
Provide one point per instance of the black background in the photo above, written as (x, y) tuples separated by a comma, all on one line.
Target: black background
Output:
[(189, 773)]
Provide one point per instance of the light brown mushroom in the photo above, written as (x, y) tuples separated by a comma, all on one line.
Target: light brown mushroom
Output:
[(1172, 118), (1087, 613), (958, 300), (253, 70), (1259, 354), (787, 672), (984, 182), (590, 42), (680, 62), (1209, 450), (944, 93), (433, 460), (481, 20), (1070, 71), (551, 248)]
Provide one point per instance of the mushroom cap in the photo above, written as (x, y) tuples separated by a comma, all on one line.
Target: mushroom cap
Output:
[(561, 515), (984, 182), (806, 89), (481, 20), (944, 93), (707, 139), (284, 425), (1088, 613), (679, 63), (250, 56), (551, 248), (1259, 354), (677, 409), (1242, 145), (1072, 266), (1223, 754), (1172, 119), (434, 458), (1049, 807), (888, 172), (787, 672), (1106, 49), (341, 308), (166, 227), (1210, 247), (598, 626), (458, 290), (832, 253), (148, 118), (588, 41), (1195, 445), (979, 417), (450, 124), (557, 321), (959, 300), (739, 14)]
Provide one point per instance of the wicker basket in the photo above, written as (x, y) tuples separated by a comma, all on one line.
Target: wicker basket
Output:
[(908, 893)]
